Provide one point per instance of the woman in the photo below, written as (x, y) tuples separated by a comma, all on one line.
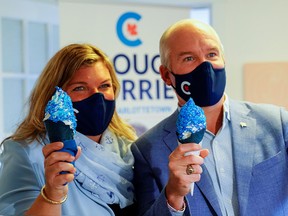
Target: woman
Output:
[(32, 179)]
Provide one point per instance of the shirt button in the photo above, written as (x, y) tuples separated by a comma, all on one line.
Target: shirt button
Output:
[(222, 170)]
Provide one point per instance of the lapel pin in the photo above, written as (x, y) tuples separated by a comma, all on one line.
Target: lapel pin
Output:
[(243, 124)]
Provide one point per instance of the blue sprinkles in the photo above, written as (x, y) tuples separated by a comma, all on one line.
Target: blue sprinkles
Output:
[(60, 108), (191, 119)]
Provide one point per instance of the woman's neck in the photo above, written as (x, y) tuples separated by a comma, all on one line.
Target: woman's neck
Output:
[(95, 138)]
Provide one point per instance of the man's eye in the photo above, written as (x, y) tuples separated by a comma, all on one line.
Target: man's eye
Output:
[(211, 55), (190, 58)]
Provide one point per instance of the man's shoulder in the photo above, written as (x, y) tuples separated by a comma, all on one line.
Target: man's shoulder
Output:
[(257, 110), (255, 106)]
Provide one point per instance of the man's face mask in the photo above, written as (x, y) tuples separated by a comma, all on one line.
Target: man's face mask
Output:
[(205, 85), (94, 114)]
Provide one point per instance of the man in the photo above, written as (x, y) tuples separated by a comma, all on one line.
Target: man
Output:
[(246, 170)]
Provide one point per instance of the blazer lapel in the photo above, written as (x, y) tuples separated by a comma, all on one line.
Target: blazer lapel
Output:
[(243, 134), (205, 185), (171, 139)]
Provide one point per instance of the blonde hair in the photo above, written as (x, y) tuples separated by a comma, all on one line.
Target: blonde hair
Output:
[(58, 72), (197, 25)]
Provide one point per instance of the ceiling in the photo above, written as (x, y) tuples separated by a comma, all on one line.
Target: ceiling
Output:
[(178, 3)]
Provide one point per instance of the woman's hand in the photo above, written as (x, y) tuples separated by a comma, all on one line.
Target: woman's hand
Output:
[(54, 163)]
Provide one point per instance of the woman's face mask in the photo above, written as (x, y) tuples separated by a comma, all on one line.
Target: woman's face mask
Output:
[(205, 85), (94, 114)]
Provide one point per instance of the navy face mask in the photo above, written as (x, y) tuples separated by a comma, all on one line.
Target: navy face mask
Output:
[(94, 114), (205, 85)]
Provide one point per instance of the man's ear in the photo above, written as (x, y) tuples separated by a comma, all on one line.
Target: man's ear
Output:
[(164, 72)]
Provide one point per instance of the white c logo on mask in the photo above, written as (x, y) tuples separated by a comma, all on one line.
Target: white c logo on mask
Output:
[(185, 87)]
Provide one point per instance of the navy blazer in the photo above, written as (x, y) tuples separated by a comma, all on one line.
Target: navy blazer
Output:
[(260, 163)]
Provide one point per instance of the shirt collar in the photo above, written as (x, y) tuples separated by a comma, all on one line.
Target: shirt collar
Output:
[(226, 110)]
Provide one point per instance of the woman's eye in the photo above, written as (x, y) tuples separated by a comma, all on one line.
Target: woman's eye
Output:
[(79, 88), (106, 85)]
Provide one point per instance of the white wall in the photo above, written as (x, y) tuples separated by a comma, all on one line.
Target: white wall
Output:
[(251, 31)]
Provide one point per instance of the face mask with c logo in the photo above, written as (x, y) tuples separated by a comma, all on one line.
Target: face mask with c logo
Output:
[(205, 85), (93, 114)]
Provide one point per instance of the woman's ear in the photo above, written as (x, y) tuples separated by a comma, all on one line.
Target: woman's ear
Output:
[(165, 75)]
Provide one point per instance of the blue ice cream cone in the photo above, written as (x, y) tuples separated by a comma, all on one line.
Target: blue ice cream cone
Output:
[(60, 121), (191, 123)]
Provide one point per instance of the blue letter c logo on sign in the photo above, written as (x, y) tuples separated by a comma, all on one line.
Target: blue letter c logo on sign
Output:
[(131, 29)]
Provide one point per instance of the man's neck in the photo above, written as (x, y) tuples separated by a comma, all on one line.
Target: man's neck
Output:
[(214, 116)]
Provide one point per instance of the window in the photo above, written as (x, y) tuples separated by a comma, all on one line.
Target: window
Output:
[(201, 13), (27, 42)]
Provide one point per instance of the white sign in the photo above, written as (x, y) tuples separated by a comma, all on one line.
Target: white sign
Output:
[(130, 37)]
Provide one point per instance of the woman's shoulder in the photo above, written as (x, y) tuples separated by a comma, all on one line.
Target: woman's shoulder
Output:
[(20, 154), (10, 145), (13, 148)]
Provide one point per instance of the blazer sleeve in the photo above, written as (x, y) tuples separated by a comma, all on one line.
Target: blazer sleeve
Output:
[(150, 201), (19, 186)]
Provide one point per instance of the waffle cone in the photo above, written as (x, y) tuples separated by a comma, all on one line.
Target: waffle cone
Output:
[(58, 131)]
